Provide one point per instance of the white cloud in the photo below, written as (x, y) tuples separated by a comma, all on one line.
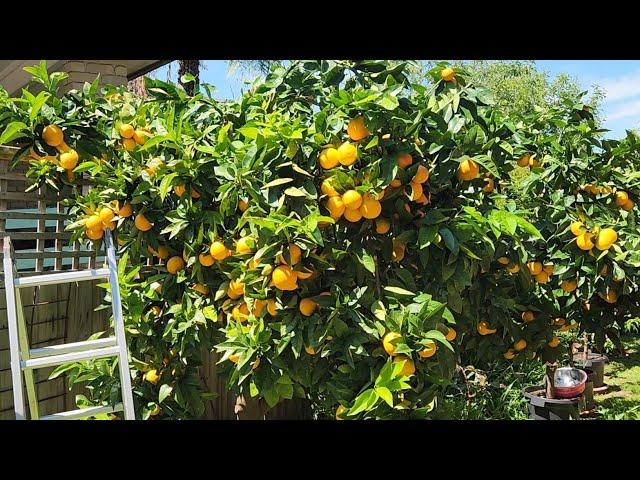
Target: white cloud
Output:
[(627, 109), (621, 87)]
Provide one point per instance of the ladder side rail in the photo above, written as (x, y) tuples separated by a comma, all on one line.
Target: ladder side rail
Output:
[(118, 321), (12, 324)]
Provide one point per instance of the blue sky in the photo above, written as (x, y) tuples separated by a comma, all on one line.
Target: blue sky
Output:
[(620, 79)]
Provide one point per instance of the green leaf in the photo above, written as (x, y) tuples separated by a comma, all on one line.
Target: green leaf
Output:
[(11, 132), (367, 261), (388, 102), (165, 184), (165, 391), (385, 394), (39, 101), (399, 291), (426, 235), (450, 240), (276, 182), (364, 402), (378, 310)]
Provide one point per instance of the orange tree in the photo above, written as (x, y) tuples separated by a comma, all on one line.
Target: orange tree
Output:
[(337, 234), (583, 190)]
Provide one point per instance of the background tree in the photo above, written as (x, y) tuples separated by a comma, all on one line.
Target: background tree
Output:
[(192, 67)]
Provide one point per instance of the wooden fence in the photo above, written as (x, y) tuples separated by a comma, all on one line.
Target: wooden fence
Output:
[(55, 314)]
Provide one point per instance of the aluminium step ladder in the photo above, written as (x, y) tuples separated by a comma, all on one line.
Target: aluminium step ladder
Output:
[(25, 359)]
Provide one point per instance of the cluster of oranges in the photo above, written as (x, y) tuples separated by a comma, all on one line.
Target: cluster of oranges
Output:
[(623, 200), (351, 204), (428, 347), (130, 136), (528, 160), (53, 136), (98, 222), (604, 238), (541, 273)]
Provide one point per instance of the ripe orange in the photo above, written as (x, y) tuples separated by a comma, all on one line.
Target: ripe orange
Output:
[(310, 350), (483, 328), (606, 238), (577, 228), (295, 254), (240, 312), (139, 137), (569, 285), (357, 129), (234, 358), (523, 161), (416, 191), (628, 205), (347, 154), (621, 198), (352, 199), (548, 268), (336, 207), (395, 183), (307, 307), (542, 277), (52, 135), (584, 241), (126, 130), (179, 189), (513, 268), (610, 297), (353, 215), (94, 233), (329, 158), (389, 342), (447, 74), (200, 288), (126, 210), (284, 278), (175, 264), (152, 376), (206, 260), (93, 222), (245, 245), (468, 170), (404, 160), (69, 160), (243, 205), (554, 342), (408, 368), (382, 226), (424, 199), (534, 268), (451, 334), (235, 289), (520, 345), (489, 185), (509, 354), (218, 250), (258, 307), (328, 189), (106, 215), (370, 208), (142, 223), (272, 307), (503, 260), (429, 349), (528, 316), (422, 174)]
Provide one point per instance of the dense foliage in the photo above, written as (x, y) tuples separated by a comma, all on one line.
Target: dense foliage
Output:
[(338, 233)]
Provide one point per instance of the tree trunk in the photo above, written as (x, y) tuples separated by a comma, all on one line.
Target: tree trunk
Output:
[(250, 408), (548, 379), (192, 67), (136, 86)]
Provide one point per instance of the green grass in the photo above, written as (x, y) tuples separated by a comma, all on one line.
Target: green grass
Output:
[(622, 374)]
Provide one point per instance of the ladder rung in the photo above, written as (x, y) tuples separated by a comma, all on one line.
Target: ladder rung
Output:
[(52, 360), (63, 277), (72, 347), (83, 413)]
